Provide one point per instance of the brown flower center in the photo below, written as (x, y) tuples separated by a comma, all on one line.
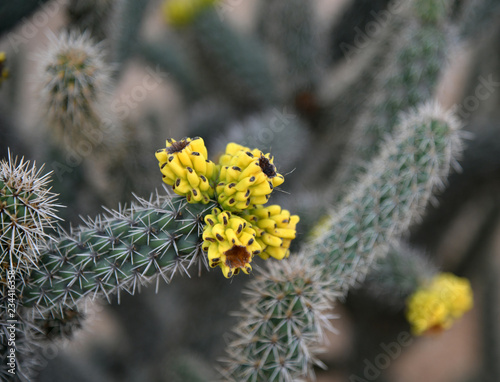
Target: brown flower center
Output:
[(267, 167), (177, 146), (237, 256)]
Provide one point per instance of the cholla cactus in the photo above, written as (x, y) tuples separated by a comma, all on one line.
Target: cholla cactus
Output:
[(289, 26), (407, 81), (27, 209), (75, 80), (221, 215), (151, 240), (244, 180), (281, 327), (395, 190)]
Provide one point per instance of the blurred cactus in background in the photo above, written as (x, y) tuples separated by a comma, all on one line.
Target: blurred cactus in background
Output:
[(313, 153), (74, 81)]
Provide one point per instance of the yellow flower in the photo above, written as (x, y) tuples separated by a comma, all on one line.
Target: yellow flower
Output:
[(247, 177), (230, 242), (437, 305), (182, 12), (456, 291), (185, 167), (275, 229), (4, 72)]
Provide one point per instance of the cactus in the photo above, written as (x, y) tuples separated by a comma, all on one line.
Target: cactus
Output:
[(75, 81), (150, 240), (406, 82), (396, 188), (27, 209), (371, 138)]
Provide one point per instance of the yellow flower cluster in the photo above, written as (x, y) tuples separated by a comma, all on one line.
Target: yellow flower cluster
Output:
[(275, 230), (240, 226), (436, 306), (185, 167), (247, 178), (230, 242), (182, 12), (4, 72)]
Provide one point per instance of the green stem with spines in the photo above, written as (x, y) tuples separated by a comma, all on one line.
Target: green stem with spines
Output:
[(408, 80), (118, 252), (393, 193)]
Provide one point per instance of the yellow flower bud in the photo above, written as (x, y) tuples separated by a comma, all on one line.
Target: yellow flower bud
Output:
[(247, 177), (185, 167), (275, 228), (182, 12), (229, 241), (436, 306)]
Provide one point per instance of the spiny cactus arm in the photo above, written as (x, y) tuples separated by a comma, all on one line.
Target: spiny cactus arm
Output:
[(75, 81), (151, 240), (27, 208), (392, 195), (407, 81), (281, 324)]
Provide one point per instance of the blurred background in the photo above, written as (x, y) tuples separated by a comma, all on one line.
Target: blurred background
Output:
[(291, 78)]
